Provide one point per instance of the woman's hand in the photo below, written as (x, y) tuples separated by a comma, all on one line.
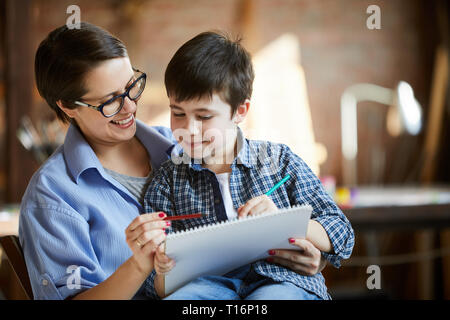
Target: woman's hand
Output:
[(144, 234), (308, 261), (257, 205)]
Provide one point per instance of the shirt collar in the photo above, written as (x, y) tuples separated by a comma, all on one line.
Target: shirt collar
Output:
[(246, 155), (80, 156)]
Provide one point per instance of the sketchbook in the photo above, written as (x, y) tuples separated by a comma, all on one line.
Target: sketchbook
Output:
[(217, 249)]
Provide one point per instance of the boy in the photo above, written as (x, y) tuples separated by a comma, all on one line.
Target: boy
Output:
[(223, 175)]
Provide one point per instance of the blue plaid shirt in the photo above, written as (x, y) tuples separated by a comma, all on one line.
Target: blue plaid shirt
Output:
[(182, 186)]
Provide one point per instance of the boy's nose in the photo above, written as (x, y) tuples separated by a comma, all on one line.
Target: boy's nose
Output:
[(194, 127)]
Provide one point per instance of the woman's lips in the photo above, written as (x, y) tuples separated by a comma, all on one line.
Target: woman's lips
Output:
[(125, 123)]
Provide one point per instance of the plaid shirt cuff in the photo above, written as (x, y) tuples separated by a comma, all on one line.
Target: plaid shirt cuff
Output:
[(341, 238), (150, 286)]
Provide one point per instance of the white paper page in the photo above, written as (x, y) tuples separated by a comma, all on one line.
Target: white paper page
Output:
[(218, 249)]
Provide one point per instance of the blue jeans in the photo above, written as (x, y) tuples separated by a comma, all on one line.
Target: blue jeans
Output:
[(240, 284)]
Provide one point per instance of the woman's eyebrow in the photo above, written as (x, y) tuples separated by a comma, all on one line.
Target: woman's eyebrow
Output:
[(112, 93)]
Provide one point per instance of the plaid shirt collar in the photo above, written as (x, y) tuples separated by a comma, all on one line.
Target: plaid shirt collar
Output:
[(246, 155)]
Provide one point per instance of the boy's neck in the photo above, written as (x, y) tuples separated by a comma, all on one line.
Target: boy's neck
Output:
[(222, 163)]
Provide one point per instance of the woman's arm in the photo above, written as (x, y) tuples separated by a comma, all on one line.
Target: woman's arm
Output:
[(144, 234), (121, 285)]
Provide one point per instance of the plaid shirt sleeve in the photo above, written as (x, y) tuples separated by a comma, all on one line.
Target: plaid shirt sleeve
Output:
[(158, 198), (304, 188)]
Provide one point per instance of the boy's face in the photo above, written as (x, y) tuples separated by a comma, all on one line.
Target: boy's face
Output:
[(205, 127)]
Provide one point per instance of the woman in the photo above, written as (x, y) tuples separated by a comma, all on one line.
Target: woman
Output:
[(82, 226)]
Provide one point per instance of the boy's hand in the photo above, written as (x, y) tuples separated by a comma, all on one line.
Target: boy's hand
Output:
[(307, 261), (163, 264), (257, 205)]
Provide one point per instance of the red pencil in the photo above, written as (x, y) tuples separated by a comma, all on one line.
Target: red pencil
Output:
[(186, 216)]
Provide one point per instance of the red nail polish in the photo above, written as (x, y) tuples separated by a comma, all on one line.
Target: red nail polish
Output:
[(269, 260), (291, 240), (168, 223), (272, 252), (161, 214)]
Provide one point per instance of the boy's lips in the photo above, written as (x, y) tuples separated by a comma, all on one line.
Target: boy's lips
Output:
[(194, 144)]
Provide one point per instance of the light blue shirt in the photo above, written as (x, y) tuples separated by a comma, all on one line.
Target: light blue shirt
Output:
[(73, 216)]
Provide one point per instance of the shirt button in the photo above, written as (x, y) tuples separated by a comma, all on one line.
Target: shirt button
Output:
[(44, 282)]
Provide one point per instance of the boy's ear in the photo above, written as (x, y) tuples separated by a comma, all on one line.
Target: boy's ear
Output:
[(69, 112), (241, 112)]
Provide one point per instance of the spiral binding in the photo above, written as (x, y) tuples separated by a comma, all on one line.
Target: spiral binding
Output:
[(221, 224)]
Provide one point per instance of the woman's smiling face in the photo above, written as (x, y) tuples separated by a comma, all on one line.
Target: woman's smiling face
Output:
[(110, 78)]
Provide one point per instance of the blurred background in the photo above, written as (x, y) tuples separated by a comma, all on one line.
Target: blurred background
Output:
[(359, 89)]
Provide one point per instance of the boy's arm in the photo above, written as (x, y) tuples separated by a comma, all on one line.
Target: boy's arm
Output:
[(318, 236), (158, 197), (330, 231)]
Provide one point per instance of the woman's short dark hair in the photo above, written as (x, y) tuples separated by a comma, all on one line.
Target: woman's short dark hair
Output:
[(211, 63), (65, 57)]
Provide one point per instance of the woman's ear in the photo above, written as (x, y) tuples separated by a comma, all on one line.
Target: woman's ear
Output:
[(69, 112), (241, 112)]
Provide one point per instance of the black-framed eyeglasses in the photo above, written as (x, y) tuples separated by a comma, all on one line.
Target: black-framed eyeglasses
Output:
[(115, 104)]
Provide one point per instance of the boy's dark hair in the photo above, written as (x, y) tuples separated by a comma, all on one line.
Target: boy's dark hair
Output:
[(65, 57), (211, 63)]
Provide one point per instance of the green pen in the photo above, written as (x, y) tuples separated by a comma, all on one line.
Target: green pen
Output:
[(275, 187)]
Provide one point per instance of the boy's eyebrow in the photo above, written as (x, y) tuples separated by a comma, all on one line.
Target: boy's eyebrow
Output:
[(173, 106)]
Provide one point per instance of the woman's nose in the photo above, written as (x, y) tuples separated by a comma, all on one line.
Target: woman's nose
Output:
[(129, 106)]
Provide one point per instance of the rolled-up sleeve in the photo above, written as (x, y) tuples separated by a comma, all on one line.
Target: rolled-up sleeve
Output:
[(60, 259), (158, 198), (306, 188)]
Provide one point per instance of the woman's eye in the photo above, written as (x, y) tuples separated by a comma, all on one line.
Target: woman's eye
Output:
[(178, 115), (204, 117)]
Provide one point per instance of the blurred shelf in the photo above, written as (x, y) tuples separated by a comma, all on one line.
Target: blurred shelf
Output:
[(394, 207)]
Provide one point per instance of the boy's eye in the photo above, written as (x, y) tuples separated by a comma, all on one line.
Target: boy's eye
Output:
[(178, 115), (204, 117)]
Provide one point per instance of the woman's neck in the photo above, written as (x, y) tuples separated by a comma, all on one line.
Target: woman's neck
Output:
[(129, 158)]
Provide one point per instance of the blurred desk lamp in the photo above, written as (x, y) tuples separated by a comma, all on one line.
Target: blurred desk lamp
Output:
[(401, 99)]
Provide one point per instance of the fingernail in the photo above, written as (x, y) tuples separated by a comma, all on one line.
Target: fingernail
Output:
[(161, 214), (269, 260), (291, 240), (168, 223), (272, 252)]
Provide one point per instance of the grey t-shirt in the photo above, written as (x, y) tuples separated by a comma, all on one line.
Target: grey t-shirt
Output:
[(136, 185)]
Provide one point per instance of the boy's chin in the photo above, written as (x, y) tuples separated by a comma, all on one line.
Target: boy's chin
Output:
[(197, 155), (203, 157)]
